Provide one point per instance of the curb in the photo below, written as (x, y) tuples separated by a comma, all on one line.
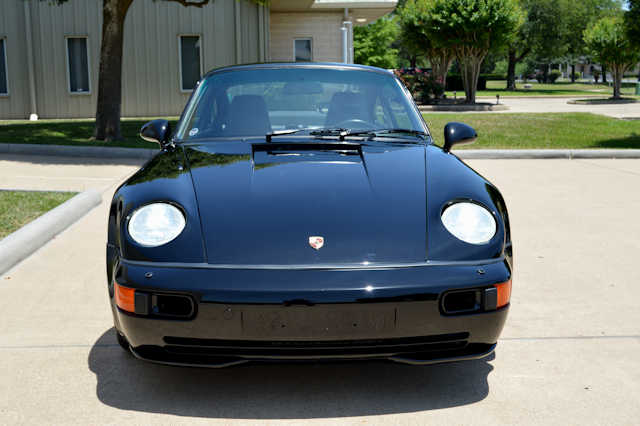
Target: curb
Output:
[(538, 154), (22, 243), (601, 101), (77, 151), (504, 97), (463, 108)]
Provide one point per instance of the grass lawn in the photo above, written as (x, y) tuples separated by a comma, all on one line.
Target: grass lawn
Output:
[(17, 208), (553, 130), (541, 131), (70, 132), (558, 89)]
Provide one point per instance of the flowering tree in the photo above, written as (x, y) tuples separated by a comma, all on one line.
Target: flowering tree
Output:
[(415, 36)]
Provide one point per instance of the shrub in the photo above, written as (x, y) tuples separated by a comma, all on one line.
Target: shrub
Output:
[(577, 76), (494, 76), (596, 75), (554, 75), (540, 77), (454, 82), (422, 85)]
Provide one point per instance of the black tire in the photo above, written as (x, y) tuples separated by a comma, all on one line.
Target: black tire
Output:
[(122, 341)]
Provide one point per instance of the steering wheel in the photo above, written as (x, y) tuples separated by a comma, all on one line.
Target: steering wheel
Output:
[(356, 124)]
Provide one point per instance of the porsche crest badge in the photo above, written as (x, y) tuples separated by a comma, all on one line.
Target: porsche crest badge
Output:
[(316, 242)]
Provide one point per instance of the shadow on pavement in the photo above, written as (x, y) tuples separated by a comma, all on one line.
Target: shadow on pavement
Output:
[(282, 391)]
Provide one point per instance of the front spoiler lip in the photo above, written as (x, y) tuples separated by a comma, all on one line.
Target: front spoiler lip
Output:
[(394, 358)]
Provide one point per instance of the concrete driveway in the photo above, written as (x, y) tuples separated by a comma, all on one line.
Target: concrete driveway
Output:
[(570, 353), (47, 173)]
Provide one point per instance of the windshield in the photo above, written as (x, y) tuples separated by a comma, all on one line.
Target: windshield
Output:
[(255, 102)]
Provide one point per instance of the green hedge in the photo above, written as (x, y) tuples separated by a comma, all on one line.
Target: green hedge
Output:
[(495, 77), (454, 82)]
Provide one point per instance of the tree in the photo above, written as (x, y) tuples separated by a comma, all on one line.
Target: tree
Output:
[(372, 43), (416, 37), (608, 42), (632, 21), (472, 28), (578, 19), (542, 32), (109, 102)]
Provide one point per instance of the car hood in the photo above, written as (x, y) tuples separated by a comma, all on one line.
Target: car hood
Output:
[(259, 204)]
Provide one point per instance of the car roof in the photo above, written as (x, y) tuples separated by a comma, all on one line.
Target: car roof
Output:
[(316, 65)]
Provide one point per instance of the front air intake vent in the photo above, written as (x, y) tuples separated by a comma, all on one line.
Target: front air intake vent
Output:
[(462, 302), (172, 305)]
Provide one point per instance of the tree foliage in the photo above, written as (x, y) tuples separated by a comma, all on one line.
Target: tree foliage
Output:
[(578, 20), (552, 31), (372, 43), (416, 36), (632, 21), (471, 28), (609, 45)]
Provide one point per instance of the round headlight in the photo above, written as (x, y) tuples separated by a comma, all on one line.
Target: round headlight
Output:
[(156, 224), (469, 222)]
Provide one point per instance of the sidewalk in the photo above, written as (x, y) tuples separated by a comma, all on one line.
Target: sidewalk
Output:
[(527, 105), (52, 173)]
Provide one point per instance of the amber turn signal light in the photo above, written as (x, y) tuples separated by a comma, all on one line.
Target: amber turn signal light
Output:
[(125, 298), (504, 293)]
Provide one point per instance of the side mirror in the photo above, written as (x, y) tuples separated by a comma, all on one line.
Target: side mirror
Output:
[(458, 134), (156, 131)]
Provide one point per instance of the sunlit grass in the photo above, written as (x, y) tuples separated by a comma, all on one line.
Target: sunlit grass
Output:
[(17, 208), (542, 131)]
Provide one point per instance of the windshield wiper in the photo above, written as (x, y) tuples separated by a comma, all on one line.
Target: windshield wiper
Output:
[(343, 133), (377, 132), (312, 131)]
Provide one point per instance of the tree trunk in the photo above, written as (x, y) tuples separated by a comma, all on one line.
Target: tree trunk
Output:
[(511, 71), (545, 73), (440, 60), (604, 74), (413, 60), (470, 63), (573, 73), (110, 74), (617, 81)]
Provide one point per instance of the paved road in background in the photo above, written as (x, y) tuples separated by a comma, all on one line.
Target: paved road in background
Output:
[(570, 352), (522, 104)]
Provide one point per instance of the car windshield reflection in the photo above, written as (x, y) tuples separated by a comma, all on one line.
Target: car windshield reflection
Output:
[(279, 101)]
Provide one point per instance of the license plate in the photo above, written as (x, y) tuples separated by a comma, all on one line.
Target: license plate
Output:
[(313, 322)]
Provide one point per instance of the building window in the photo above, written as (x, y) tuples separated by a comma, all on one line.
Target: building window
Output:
[(302, 50), (190, 64), (78, 65), (4, 81)]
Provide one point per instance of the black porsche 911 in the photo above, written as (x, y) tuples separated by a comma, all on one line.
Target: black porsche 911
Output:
[(303, 212)]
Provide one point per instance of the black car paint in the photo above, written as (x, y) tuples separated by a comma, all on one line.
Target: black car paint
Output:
[(245, 241)]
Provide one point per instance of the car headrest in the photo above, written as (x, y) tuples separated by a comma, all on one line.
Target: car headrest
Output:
[(248, 116), (346, 106)]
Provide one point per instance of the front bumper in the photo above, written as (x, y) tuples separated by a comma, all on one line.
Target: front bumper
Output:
[(246, 315)]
